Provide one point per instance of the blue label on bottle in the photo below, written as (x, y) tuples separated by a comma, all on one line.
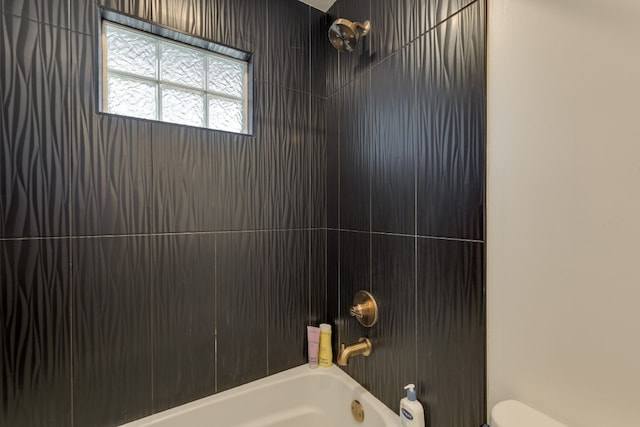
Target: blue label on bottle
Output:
[(406, 414)]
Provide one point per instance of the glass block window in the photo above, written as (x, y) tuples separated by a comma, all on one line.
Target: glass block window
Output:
[(151, 77)]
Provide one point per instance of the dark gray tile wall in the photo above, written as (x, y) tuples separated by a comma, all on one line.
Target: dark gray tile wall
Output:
[(35, 150), (393, 165), (144, 264), (354, 273), (284, 140), (332, 180), (317, 162), (54, 12), (35, 332), (241, 308), (405, 198), (288, 289), (112, 329), (351, 65), (451, 331), (451, 125), (393, 282), (318, 305), (353, 107), (184, 302)]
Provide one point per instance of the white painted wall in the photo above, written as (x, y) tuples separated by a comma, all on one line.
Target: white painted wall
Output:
[(563, 208)]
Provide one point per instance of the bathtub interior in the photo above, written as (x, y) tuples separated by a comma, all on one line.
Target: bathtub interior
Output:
[(298, 397)]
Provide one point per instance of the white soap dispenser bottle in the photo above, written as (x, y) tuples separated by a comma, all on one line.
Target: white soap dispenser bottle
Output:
[(411, 411)]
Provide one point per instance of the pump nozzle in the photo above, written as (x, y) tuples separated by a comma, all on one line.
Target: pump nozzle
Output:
[(411, 392)]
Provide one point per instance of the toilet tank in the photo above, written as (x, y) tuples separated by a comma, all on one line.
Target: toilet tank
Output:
[(511, 413)]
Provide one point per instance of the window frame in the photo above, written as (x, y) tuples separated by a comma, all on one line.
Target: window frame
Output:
[(163, 35)]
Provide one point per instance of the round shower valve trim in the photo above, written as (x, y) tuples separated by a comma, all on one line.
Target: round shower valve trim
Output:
[(365, 309)]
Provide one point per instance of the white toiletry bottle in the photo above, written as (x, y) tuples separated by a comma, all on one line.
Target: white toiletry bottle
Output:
[(411, 411)]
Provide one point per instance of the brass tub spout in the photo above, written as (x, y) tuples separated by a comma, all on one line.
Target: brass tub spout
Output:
[(363, 347)]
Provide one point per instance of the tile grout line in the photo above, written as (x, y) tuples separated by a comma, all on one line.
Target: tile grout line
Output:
[(310, 162), (326, 277), (370, 178), (416, 150), (152, 325), (269, 241), (152, 167), (72, 320), (339, 196), (383, 233), (215, 314), (485, 18), (371, 148), (268, 299), (185, 233)]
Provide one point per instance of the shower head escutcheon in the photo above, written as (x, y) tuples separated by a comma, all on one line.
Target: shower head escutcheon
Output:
[(344, 34)]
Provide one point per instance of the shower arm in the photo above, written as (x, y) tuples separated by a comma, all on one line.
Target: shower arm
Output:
[(363, 28)]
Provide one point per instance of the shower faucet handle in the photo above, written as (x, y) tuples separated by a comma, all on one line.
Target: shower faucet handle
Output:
[(364, 308), (357, 311)]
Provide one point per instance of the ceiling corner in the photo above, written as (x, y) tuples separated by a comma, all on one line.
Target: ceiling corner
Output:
[(322, 5)]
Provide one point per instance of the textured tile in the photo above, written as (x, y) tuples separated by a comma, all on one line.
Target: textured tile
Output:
[(35, 333), (111, 177), (317, 141), (283, 118), (242, 323), (84, 15), (319, 300), (187, 16), (34, 165), (112, 333), (334, 310), (355, 275), (451, 331), (142, 9), (111, 157), (332, 180), (319, 23), (353, 64), (240, 203), (243, 25), (355, 146), (438, 11), (187, 164), (393, 162), (392, 364), (395, 23), (4, 138), (289, 44), (288, 299), (183, 319), (452, 127), (53, 12), (331, 63)]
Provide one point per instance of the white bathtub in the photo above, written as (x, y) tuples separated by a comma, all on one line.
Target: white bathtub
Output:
[(298, 397)]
